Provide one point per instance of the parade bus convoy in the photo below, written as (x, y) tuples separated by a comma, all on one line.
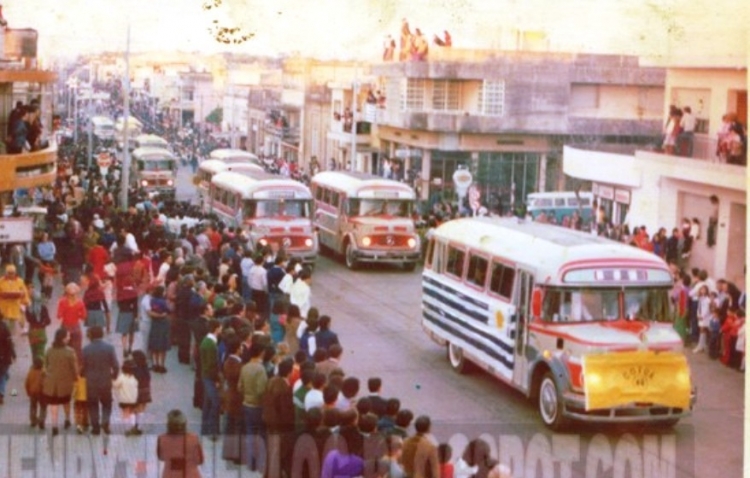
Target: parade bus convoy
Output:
[(578, 323)]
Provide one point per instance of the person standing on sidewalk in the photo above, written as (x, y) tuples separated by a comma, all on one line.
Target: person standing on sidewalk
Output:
[(13, 295), (7, 356), (210, 375), (100, 368)]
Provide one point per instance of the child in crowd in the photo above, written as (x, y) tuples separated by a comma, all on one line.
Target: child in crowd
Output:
[(143, 375), (47, 272), (278, 320), (33, 385), (37, 316), (125, 387), (703, 314), (80, 406), (445, 453), (714, 327)]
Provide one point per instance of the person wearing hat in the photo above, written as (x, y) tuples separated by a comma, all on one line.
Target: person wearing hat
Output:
[(13, 295)]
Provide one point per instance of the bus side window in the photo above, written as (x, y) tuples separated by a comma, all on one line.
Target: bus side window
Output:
[(327, 196), (477, 273), (428, 254), (335, 199), (318, 193), (501, 281), (455, 265)]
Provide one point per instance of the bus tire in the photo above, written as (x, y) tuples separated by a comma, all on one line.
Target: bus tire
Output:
[(349, 258), (410, 266), (456, 358), (550, 404)]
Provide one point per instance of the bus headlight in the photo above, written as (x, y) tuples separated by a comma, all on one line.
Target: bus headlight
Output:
[(144, 183), (170, 183), (366, 241), (412, 242), (308, 242), (263, 242)]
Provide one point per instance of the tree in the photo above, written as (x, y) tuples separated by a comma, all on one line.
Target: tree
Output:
[(215, 116)]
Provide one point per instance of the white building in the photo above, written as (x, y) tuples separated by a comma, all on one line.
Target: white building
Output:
[(656, 190)]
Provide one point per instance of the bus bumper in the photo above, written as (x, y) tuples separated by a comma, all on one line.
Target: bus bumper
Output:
[(387, 257), (575, 408)]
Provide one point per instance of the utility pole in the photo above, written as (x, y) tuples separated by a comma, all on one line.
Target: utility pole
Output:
[(91, 138), (125, 175), (355, 95)]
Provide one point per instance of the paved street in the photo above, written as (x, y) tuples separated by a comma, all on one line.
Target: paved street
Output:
[(376, 313)]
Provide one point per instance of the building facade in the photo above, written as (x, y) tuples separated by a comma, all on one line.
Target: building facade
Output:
[(505, 116)]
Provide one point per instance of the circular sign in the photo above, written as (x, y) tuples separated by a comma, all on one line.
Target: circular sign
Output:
[(462, 179)]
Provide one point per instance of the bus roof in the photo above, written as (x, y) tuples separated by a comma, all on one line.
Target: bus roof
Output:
[(355, 184), (560, 194), (552, 251), (102, 120), (152, 153), (213, 165), (226, 154), (261, 185), (151, 138)]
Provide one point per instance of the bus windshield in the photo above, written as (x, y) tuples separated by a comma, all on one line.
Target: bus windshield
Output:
[(586, 305), (157, 165), (277, 208), (377, 207)]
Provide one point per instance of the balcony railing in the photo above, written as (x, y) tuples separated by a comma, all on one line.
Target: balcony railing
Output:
[(28, 170), (288, 133)]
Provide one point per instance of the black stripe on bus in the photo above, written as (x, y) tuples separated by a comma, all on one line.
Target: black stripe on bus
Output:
[(477, 344), (452, 302), (451, 290), (466, 325)]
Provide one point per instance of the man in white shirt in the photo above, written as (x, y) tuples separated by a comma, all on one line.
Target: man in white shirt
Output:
[(300, 294), (258, 283), (246, 264), (687, 129)]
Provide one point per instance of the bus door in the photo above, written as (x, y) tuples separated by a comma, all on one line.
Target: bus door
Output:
[(524, 287)]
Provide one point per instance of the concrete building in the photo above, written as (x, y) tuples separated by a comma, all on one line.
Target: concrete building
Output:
[(506, 114), (292, 115), (657, 190)]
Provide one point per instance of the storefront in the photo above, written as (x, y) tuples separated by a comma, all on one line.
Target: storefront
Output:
[(616, 202)]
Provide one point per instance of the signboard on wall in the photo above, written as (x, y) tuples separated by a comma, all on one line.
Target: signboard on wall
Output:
[(622, 196), (16, 229)]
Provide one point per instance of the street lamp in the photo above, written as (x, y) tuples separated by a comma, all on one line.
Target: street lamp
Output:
[(353, 155)]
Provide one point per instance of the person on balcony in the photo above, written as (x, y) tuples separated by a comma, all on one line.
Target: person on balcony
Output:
[(687, 130), (19, 133)]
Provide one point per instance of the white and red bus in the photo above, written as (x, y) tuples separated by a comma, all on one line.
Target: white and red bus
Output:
[(366, 218), (270, 208), (210, 167), (580, 324)]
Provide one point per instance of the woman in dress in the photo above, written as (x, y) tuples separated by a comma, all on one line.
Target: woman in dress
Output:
[(60, 375), (158, 339), (97, 310), (71, 312)]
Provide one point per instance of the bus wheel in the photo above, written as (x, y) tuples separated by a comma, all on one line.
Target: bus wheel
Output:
[(550, 403), (410, 266), (349, 257), (457, 360)]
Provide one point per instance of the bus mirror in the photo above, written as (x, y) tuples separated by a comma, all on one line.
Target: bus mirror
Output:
[(536, 303)]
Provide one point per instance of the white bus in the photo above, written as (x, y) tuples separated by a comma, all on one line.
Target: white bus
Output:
[(134, 128), (556, 206), (580, 324), (154, 170), (270, 208), (150, 141), (103, 128), (235, 156), (210, 167), (366, 218)]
